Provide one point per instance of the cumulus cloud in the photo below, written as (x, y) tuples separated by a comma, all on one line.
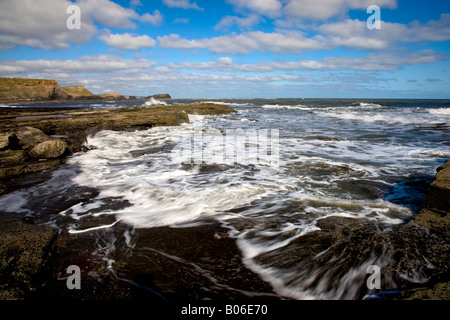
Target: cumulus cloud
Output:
[(42, 23), (243, 23), (371, 62), (292, 41), (155, 19), (326, 9), (128, 41), (354, 33), (268, 8), (182, 4), (98, 64)]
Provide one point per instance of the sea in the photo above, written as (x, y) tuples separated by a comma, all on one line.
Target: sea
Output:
[(280, 165)]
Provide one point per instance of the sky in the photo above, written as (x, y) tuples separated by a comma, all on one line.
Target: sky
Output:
[(232, 48)]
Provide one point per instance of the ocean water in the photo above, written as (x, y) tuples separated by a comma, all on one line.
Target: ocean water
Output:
[(267, 173)]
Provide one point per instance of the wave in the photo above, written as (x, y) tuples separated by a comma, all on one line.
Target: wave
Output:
[(370, 105), (384, 118), (4, 105), (444, 111), (292, 107), (154, 102)]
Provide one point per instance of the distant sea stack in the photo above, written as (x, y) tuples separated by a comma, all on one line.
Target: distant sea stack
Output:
[(163, 96)]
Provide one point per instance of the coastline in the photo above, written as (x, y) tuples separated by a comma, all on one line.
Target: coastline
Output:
[(424, 238)]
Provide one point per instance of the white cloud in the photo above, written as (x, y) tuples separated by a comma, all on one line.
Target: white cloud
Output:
[(268, 8), (108, 13), (98, 64), (371, 62), (135, 3), (42, 23), (182, 4), (244, 23), (244, 43), (155, 19), (326, 9), (355, 34), (128, 41)]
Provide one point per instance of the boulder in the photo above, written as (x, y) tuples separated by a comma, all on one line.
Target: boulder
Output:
[(49, 149), (4, 141), (29, 137)]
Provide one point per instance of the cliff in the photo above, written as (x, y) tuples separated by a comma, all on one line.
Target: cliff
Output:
[(31, 90), (78, 92)]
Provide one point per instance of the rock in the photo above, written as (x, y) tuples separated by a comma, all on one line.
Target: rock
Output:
[(13, 157), (49, 149), (326, 169), (29, 137), (30, 89), (438, 193), (4, 140), (12, 171), (3, 189), (439, 291), (33, 126), (77, 92), (163, 96), (24, 249), (112, 96)]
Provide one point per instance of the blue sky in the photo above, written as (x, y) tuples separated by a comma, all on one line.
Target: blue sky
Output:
[(232, 48)]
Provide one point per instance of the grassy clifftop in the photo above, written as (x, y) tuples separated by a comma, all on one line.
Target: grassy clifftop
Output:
[(78, 91), (6, 83)]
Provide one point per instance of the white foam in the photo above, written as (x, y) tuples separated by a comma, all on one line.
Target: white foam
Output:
[(154, 102), (443, 111), (370, 105), (292, 107)]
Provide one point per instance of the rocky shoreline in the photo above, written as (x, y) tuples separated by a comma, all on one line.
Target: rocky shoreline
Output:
[(37, 139), (162, 263)]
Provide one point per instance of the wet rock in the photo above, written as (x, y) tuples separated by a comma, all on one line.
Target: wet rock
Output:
[(327, 169), (440, 291), (24, 249), (190, 264), (49, 149), (9, 172), (438, 193)]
